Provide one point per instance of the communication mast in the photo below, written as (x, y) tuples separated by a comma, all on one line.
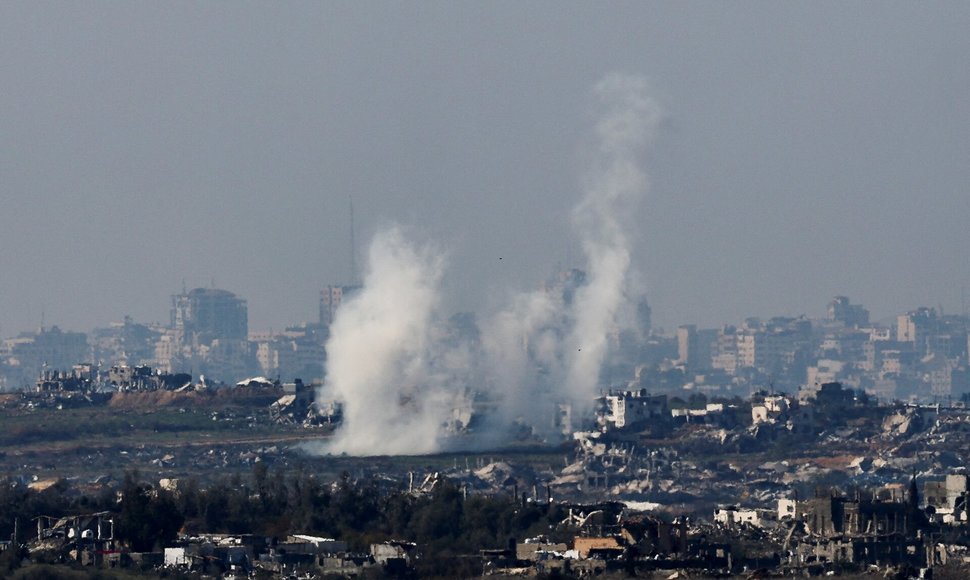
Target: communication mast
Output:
[(353, 248)]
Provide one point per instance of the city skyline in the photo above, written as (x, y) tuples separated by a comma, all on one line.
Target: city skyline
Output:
[(314, 315), (803, 153), (437, 289)]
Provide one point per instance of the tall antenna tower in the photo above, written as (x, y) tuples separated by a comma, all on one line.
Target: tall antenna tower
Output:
[(353, 248)]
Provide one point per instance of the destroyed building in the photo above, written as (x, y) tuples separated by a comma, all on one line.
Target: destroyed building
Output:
[(208, 334), (81, 378), (297, 406), (145, 378), (883, 527), (630, 409)]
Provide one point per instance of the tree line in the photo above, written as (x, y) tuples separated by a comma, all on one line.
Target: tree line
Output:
[(445, 523)]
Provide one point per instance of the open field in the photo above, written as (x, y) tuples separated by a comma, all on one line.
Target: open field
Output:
[(198, 437)]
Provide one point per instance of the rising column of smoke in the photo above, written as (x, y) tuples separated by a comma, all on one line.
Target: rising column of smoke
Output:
[(568, 340), (378, 356), (398, 382), (615, 187), (518, 342)]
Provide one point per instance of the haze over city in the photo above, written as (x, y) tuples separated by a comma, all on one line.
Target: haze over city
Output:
[(805, 151), (435, 289)]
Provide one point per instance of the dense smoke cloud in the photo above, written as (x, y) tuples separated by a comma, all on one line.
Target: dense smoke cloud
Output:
[(378, 359), (400, 370)]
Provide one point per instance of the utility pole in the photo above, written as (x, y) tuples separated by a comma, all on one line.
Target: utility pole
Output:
[(353, 248)]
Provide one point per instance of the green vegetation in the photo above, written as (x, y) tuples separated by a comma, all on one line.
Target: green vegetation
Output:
[(51, 426), (149, 519), (106, 425), (445, 523)]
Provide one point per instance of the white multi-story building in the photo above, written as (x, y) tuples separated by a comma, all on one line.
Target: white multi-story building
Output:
[(628, 408)]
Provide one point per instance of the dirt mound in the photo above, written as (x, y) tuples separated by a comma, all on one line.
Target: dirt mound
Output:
[(156, 399), (239, 396)]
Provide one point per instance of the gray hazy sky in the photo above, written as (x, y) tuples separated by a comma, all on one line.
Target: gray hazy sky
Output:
[(809, 149)]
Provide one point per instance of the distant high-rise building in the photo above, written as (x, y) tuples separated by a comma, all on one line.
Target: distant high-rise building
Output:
[(687, 345), (126, 342), (644, 318), (297, 352), (331, 298), (209, 335), (206, 314), (725, 350), (916, 327), (565, 284), (841, 310)]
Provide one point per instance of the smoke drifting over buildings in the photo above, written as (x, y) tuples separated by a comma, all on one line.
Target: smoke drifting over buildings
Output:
[(401, 370), (378, 353), (616, 186)]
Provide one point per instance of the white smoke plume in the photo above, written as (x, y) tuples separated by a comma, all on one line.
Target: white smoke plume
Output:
[(378, 354), (544, 348), (398, 374), (519, 343), (615, 187)]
